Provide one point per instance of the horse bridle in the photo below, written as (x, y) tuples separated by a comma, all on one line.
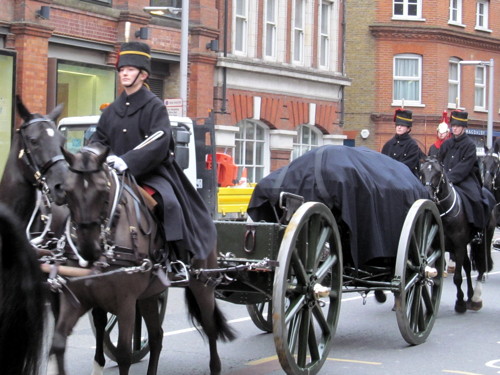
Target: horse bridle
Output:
[(436, 190), (26, 155), (493, 174)]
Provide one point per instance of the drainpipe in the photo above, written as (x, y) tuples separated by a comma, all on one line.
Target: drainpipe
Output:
[(224, 71), (184, 55), (342, 53)]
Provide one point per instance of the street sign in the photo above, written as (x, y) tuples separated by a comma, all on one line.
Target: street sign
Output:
[(174, 107)]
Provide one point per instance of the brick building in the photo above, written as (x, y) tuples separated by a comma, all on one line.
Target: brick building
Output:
[(271, 71), (415, 51)]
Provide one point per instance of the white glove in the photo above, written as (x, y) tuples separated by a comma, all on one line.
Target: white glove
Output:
[(116, 163)]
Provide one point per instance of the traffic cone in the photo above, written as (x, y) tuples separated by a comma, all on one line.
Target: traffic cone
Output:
[(243, 179)]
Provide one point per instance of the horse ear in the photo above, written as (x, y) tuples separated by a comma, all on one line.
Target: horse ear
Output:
[(103, 155), (56, 112), (23, 111), (70, 158)]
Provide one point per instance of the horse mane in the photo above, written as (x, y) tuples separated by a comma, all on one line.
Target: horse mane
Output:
[(22, 311)]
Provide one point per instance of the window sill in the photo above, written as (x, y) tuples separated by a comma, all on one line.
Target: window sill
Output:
[(458, 24), (480, 109), (483, 29), (400, 103), (403, 18)]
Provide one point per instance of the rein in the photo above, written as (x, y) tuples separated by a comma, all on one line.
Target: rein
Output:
[(440, 202)]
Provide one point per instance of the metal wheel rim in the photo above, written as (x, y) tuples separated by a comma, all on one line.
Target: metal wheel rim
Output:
[(421, 243), (257, 312), (303, 331)]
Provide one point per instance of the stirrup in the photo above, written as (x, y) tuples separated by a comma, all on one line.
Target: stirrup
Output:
[(179, 272), (478, 238)]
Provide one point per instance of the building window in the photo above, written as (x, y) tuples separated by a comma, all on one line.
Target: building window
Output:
[(453, 83), (270, 20), (455, 12), (298, 31), (251, 151), (480, 89), (407, 79), (482, 14), (325, 33), (7, 85), (241, 26), (307, 139), (108, 2), (409, 9), (84, 87)]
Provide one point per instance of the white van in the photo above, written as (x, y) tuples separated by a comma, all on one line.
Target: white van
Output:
[(79, 129)]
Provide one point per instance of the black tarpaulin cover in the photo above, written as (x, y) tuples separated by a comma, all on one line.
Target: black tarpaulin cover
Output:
[(371, 192)]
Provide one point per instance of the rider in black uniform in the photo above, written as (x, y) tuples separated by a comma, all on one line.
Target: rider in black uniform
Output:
[(402, 147), (458, 155)]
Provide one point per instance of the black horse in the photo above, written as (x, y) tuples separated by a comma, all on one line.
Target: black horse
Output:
[(120, 239), (490, 173), (35, 163), (22, 300), (459, 234)]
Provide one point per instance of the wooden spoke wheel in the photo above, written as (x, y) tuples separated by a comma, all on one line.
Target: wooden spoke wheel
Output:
[(140, 342), (307, 289), (419, 269), (261, 315)]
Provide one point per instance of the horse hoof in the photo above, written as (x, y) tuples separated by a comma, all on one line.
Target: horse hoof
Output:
[(380, 296), (474, 306), (460, 307)]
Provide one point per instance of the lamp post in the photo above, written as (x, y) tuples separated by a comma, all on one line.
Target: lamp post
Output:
[(184, 44), (491, 65)]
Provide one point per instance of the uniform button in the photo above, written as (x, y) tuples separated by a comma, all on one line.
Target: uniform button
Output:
[(127, 104), (124, 130)]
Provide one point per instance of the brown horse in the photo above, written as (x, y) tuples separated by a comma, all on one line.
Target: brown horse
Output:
[(459, 234), (120, 238)]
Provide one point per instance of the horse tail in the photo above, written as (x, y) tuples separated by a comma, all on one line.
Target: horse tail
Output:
[(223, 330), (22, 302)]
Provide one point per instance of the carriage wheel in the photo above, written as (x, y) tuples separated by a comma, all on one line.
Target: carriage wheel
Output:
[(419, 269), (307, 289), (140, 341), (262, 315)]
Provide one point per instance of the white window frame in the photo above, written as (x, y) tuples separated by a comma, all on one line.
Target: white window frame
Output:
[(240, 27), (480, 88), (303, 141), (406, 4), (454, 81), (270, 27), (298, 32), (325, 33), (402, 78), (482, 15), (253, 145), (456, 13)]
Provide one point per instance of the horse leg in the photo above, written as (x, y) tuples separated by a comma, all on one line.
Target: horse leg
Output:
[(100, 319), (468, 269), (149, 311), (460, 305), (68, 317), (126, 320)]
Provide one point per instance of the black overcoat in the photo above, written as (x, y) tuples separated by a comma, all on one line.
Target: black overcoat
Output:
[(127, 122), (368, 192), (459, 159), (404, 148)]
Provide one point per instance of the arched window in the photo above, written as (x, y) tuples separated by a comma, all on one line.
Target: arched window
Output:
[(251, 149), (307, 138)]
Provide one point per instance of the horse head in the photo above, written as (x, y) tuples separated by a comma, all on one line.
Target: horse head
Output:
[(40, 145), (490, 168), (87, 189), (433, 177)]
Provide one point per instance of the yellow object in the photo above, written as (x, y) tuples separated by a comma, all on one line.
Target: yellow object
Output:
[(234, 200)]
